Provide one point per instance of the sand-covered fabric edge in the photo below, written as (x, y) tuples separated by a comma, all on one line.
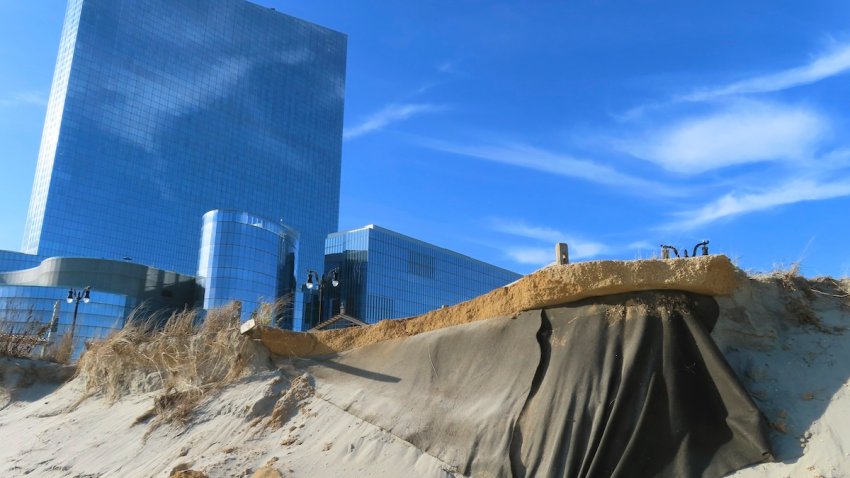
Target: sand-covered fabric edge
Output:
[(558, 284)]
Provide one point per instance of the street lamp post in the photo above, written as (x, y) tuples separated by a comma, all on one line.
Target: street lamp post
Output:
[(77, 296), (321, 280)]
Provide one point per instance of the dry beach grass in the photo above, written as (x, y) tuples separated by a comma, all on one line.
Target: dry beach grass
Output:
[(184, 360), (26, 339)]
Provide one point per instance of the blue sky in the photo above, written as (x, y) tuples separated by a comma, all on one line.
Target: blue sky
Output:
[(498, 128)]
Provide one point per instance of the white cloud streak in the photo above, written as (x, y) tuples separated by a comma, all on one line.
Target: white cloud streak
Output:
[(531, 255), (529, 157), (746, 132), (735, 204), (33, 98), (579, 248), (638, 245), (822, 67), (827, 65), (390, 114)]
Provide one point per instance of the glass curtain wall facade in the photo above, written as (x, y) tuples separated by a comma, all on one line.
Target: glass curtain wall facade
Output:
[(387, 275), (249, 259), (162, 110), (119, 291), (21, 305), (14, 261)]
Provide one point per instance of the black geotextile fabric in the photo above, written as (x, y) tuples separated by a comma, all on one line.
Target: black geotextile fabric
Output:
[(628, 385), (454, 393), (633, 385)]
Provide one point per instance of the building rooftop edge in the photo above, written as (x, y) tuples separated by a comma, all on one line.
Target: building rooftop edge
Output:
[(274, 9), (419, 241), (47, 259)]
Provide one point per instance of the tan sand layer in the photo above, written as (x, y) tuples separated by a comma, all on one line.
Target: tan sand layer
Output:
[(711, 275)]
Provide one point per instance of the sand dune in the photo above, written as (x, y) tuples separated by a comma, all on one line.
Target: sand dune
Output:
[(440, 403)]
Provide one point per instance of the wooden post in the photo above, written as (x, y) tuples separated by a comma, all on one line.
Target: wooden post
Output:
[(562, 253)]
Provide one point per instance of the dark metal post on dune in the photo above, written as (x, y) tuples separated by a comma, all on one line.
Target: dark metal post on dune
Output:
[(665, 250)]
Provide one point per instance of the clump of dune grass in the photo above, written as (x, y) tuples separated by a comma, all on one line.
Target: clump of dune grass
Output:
[(792, 279), (29, 339), (798, 294), (844, 289), (60, 351), (184, 359), (18, 339), (269, 313), (21, 334)]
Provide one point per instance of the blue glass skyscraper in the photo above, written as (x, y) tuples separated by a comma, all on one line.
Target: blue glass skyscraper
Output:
[(162, 110)]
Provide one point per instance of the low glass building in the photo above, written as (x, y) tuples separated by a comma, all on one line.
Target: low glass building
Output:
[(250, 259), (117, 288), (102, 315), (386, 275)]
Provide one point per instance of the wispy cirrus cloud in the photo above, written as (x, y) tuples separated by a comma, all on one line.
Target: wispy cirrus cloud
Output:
[(529, 157), (33, 98), (736, 204), (540, 256), (834, 160), (743, 132), (823, 66), (390, 114), (451, 68), (537, 256), (580, 248)]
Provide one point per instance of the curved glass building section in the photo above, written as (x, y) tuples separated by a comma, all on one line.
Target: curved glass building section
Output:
[(250, 259)]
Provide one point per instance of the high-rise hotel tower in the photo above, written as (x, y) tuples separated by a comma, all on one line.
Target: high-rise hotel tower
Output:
[(162, 110)]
